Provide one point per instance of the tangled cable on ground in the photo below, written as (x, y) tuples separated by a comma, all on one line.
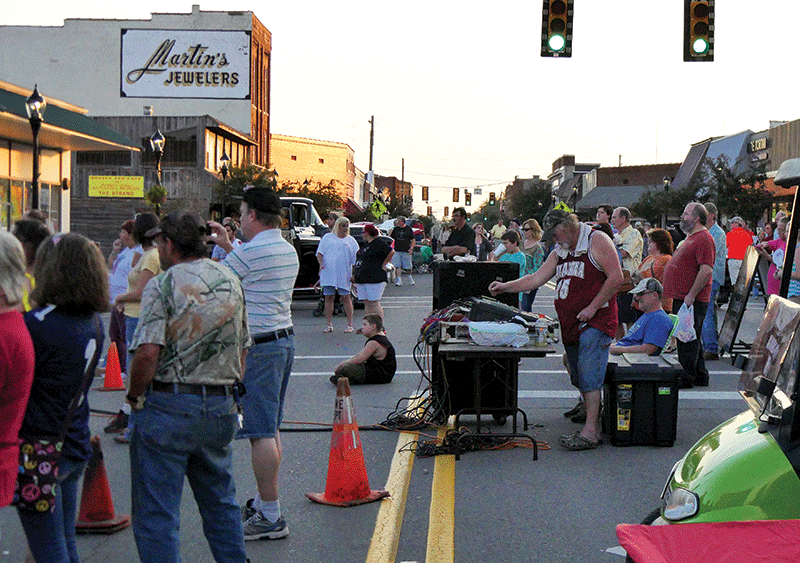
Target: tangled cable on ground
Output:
[(462, 440)]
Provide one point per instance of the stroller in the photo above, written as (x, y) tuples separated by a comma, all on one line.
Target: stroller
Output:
[(338, 306), (420, 262)]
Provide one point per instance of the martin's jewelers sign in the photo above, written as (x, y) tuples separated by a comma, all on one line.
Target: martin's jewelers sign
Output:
[(166, 63)]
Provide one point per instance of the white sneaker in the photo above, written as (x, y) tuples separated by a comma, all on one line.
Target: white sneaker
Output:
[(398, 282), (411, 280)]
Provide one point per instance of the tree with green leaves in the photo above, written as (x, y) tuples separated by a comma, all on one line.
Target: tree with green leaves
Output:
[(325, 196), (716, 180), (741, 194), (532, 203)]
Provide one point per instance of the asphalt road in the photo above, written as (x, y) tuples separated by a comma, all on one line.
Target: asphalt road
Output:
[(489, 506)]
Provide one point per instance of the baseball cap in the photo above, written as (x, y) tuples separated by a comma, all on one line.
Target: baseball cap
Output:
[(262, 199), (183, 227), (553, 218), (648, 284)]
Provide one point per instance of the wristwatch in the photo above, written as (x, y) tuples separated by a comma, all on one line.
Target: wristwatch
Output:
[(136, 403)]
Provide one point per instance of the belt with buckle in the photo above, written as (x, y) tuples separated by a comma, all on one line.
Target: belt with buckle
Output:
[(192, 388), (265, 337)]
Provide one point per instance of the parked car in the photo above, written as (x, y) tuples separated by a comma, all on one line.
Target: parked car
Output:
[(388, 225), (356, 230), (747, 467)]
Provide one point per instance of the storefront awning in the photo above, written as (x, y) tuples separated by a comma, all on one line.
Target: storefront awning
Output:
[(62, 128)]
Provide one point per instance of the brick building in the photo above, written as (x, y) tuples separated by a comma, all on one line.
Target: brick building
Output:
[(297, 159)]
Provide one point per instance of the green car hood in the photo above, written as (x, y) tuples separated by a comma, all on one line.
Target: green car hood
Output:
[(739, 474)]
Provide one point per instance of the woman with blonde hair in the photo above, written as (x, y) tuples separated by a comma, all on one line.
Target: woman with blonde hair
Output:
[(534, 257), (16, 360), (71, 290), (336, 254)]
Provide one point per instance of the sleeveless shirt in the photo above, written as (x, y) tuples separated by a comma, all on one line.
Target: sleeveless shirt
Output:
[(578, 281)]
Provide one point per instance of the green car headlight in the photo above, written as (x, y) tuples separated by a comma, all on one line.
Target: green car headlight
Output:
[(681, 504)]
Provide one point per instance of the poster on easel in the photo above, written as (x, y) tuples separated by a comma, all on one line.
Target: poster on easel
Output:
[(738, 302)]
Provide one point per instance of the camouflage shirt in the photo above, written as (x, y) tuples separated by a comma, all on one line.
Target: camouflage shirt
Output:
[(195, 312)]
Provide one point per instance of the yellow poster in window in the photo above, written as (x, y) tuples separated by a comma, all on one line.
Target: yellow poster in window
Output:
[(116, 186)]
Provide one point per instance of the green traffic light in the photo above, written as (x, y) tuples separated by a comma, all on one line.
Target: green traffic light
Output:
[(700, 46), (556, 42)]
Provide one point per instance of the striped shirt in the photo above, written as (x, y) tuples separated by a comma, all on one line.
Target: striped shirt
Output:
[(267, 266)]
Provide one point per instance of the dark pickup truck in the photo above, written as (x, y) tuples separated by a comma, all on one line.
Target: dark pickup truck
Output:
[(303, 227)]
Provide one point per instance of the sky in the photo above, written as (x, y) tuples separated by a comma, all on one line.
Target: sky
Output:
[(458, 89)]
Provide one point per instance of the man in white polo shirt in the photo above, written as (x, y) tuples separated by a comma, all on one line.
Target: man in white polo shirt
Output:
[(267, 265)]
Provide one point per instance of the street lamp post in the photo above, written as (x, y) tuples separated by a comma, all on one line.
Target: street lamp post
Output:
[(224, 159), (157, 144), (35, 106)]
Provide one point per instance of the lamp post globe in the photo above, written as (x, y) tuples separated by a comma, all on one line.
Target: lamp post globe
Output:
[(35, 106)]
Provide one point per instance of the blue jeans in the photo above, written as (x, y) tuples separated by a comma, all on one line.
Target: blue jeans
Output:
[(130, 328), (176, 435), (588, 359), (51, 536), (526, 303), (266, 379), (710, 322)]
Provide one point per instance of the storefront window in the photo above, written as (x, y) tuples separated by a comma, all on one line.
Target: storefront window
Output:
[(5, 204)]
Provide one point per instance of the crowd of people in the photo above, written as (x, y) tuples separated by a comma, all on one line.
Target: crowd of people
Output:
[(209, 340)]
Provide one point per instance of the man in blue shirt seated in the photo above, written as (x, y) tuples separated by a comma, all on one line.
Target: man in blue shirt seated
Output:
[(649, 334)]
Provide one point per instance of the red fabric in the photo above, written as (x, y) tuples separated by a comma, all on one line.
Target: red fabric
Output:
[(763, 541), (679, 275), (16, 377), (738, 240), (578, 281), (773, 284)]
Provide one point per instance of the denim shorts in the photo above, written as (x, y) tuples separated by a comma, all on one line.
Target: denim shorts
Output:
[(402, 260), (331, 290), (588, 359), (370, 291), (266, 378)]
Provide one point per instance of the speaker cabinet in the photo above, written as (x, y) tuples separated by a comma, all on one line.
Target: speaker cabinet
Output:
[(459, 280)]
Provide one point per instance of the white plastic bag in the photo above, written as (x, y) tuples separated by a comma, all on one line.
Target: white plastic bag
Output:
[(685, 329), (498, 334)]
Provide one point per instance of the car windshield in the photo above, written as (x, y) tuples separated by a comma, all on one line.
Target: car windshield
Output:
[(772, 359)]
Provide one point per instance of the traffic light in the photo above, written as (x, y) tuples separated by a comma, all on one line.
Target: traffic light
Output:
[(455, 195), (467, 198), (557, 28), (430, 211), (698, 30), (492, 200), (446, 211), (424, 193)]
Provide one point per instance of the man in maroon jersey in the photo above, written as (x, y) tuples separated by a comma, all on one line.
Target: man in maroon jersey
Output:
[(588, 274)]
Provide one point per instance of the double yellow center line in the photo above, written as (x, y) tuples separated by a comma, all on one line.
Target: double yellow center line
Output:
[(441, 519)]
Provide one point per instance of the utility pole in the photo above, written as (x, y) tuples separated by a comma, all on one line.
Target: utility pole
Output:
[(371, 139), (403, 180)]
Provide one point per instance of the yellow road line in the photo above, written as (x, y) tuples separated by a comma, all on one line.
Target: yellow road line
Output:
[(389, 523), (441, 519)]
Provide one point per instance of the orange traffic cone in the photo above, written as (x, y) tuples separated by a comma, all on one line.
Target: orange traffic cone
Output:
[(113, 378), (347, 483), (97, 509)]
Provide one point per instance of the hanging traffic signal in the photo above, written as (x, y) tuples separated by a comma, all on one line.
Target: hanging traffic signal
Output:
[(467, 198), (698, 30), (446, 211), (557, 28), (455, 195), (492, 200), (424, 193), (430, 211)]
